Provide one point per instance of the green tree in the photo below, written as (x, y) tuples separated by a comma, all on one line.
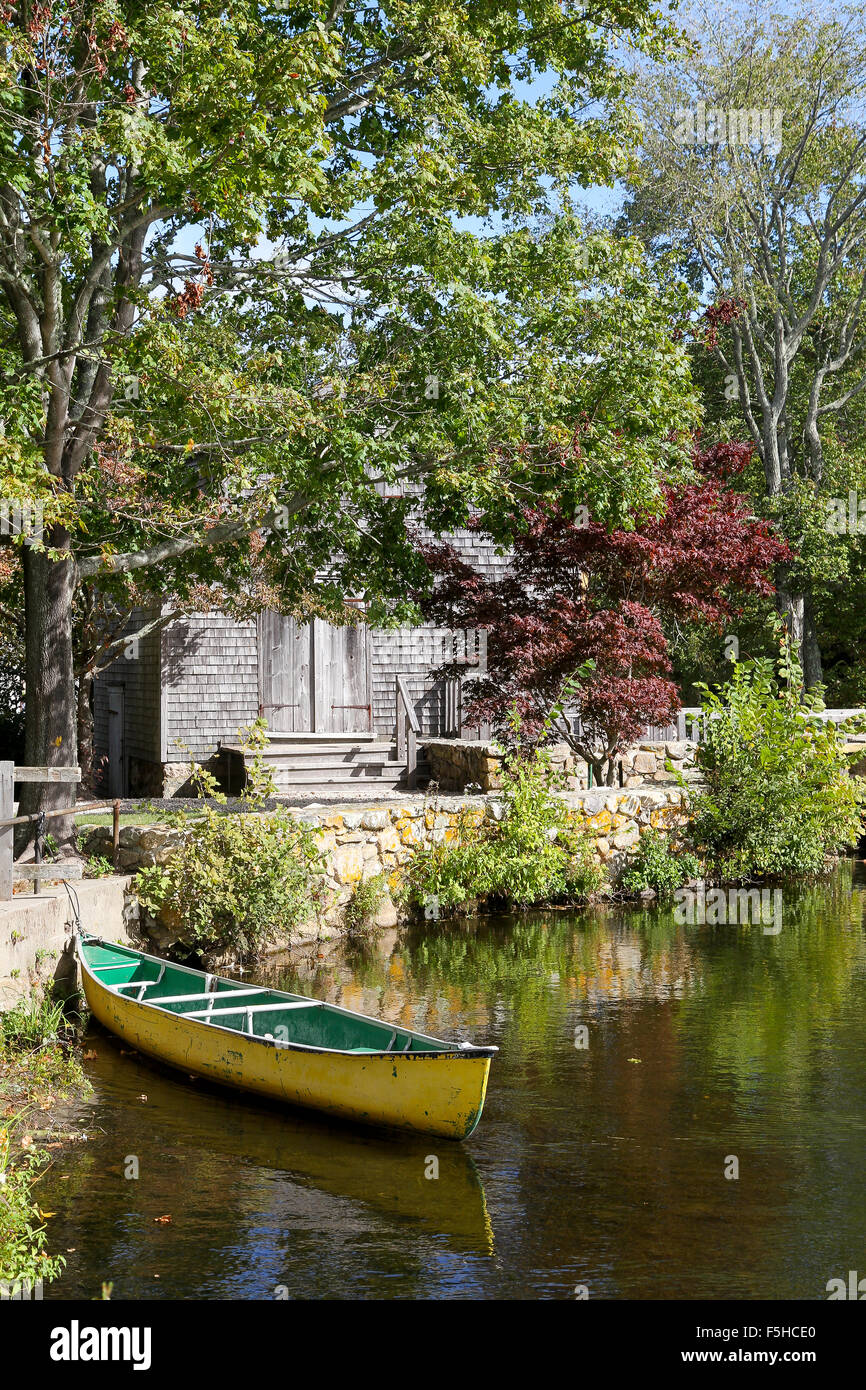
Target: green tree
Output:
[(195, 416), (751, 180)]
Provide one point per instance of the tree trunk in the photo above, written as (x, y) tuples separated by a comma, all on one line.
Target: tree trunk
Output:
[(796, 609), (50, 706), (813, 672)]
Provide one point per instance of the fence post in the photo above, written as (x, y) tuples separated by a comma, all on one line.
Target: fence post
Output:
[(7, 833), (401, 729), (411, 758)]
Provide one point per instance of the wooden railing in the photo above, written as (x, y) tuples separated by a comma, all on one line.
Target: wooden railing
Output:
[(454, 717), (38, 872), (691, 725), (408, 729)]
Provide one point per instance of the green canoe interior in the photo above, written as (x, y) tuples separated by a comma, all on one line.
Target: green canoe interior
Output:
[(258, 1011)]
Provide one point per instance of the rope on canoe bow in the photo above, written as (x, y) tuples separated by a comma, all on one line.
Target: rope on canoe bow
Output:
[(74, 904)]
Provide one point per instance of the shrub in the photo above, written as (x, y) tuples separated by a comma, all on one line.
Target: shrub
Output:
[(779, 796), (659, 867), (237, 880), (23, 1259), (359, 914), (35, 1061), (97, 866), (536, 852)]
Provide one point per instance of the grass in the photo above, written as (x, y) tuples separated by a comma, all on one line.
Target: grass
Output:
[(38, 1069)]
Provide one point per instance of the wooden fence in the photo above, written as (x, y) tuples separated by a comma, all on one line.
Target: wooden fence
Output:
[(691, 725), (37, 871)]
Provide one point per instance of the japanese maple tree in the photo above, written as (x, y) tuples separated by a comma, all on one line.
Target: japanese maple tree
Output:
[(578, 623)]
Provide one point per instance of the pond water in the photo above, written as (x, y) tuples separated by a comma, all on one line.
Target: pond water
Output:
[(601, 1167)]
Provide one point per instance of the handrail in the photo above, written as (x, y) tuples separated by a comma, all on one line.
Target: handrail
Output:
[(407, 705), (80, 808), (38, 872), (408, 729)]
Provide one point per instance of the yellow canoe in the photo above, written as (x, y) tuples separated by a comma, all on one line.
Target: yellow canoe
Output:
[(285, 1046)]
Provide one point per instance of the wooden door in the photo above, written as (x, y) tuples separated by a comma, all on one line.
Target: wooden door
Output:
[(285, 676), (315, 678), (342, 679), (116, 742)]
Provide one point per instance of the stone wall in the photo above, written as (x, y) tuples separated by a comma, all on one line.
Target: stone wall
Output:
[(645, 762), (456, 764), (361, 842), (36, 933)]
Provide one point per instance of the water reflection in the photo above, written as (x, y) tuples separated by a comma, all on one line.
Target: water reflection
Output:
[(602, 1165)]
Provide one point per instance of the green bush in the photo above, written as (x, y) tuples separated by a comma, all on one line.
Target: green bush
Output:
[(535, 853), (97, 866), (23, 1258), (359, 914), (237, 880), (659, 867), (36, 1060), (779, 796)]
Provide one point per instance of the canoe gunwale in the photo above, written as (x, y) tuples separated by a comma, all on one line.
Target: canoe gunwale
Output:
[(467, 1051)]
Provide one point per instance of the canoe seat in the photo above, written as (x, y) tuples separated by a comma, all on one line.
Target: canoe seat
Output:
[(255, 1008), (142, 985), (209, 994)]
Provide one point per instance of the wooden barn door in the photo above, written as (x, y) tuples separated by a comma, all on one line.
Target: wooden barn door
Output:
[(116, 742), (314, 678), (285, 681), (342, 679)]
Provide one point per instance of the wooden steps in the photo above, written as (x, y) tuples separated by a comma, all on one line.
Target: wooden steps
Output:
[(309, 762)]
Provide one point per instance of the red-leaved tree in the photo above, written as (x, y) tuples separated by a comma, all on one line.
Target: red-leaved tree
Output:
[(577, 623)]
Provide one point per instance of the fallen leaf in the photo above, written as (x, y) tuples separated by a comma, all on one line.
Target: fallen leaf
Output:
[(162, 1220)]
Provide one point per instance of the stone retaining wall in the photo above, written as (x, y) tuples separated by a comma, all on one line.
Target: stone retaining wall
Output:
[(361, 842), (456, 764), (36, 933)]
